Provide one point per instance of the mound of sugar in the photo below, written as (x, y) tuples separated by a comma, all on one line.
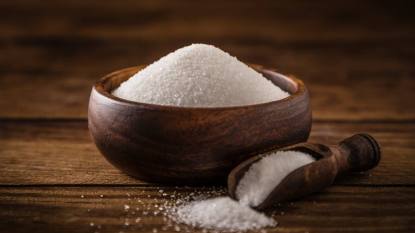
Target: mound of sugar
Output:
[(221, 213), (199, 75), (263, 176)]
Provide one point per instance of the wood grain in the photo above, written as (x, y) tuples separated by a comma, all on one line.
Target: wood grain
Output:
[(336, 209), (348, 21), (332, 47), (61, 152)]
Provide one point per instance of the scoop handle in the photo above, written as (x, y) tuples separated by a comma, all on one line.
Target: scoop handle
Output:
[(360, 151)]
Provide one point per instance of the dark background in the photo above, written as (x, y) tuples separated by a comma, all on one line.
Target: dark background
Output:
[(356, 58), (52, 51)]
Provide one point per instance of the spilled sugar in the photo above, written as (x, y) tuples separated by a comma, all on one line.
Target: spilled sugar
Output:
[(263, 176), (221, 213), (199, 75)]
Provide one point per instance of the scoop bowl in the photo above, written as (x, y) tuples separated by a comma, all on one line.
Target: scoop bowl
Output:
[(192, 145)]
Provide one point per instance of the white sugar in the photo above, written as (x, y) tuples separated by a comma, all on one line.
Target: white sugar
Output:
[(263, 176), (199, 75), (222, 213), (225, 214)]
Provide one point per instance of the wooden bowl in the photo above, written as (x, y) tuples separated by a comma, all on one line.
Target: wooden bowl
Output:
[(192, 145)]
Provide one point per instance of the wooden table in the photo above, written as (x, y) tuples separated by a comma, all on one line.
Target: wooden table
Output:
[(357, 58)]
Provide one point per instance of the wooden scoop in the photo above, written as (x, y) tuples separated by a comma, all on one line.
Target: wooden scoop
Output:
[(358, 153)]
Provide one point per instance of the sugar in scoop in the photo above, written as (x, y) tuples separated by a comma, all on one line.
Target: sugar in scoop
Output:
[(264, 175), (279, 176), (199, 75)]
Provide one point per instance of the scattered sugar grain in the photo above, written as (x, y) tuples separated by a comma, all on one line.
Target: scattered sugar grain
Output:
[(199, 75), (263, 176), (127, 222)]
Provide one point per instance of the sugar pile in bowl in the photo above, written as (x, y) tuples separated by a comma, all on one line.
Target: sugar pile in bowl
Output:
[(199, 75)]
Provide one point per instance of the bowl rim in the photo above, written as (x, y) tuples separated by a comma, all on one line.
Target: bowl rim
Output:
[(99, 88)]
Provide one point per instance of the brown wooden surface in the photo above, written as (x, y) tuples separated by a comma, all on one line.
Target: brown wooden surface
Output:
[(48, 148), (356, 58), (62, 209)]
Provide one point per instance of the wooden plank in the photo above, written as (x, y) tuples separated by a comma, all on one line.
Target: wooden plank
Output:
[(61, 152), (55, 153), (62, 209), (350, 20)]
